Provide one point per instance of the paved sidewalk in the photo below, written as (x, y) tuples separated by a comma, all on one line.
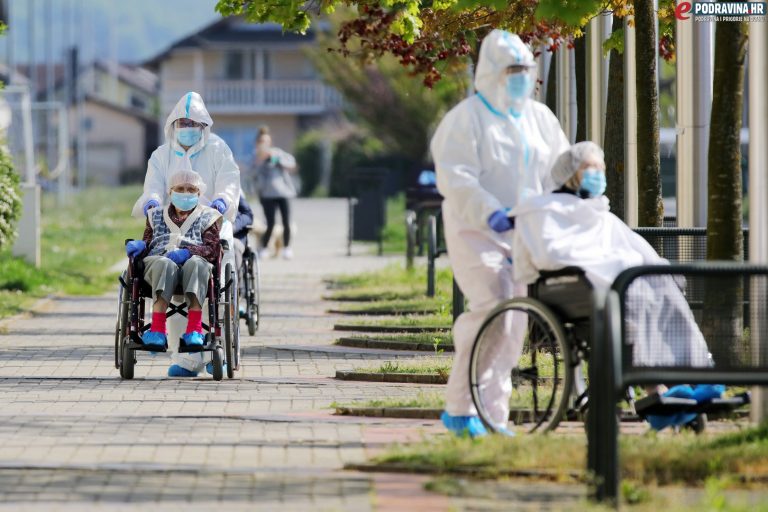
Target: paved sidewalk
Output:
[(76, 437)]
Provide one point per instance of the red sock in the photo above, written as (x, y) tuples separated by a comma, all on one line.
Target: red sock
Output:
[(195, 321), (158, 322)]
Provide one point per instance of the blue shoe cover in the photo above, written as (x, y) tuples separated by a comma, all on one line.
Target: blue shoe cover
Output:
[(660, 422), (195, 339), (706, 392), (209, 368), (506, 432), (681, 391), (154, 339), (464, 425), (177, 371)]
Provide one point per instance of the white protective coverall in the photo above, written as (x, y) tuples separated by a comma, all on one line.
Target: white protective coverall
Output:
[(212, 159), (488, 159), (558, 230)]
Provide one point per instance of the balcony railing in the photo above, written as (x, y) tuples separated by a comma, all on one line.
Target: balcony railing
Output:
[(259, 96)]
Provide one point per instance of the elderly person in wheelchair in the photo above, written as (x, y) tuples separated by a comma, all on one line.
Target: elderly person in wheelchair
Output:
[(179, 248), (573, 227)]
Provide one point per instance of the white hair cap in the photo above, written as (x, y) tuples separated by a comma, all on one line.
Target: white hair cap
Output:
[(187, 178), (572, 159)]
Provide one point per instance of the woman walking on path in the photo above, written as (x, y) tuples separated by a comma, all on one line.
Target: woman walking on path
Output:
[(275, 183)]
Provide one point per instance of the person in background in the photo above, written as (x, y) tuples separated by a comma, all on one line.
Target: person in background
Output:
[(273, 168)]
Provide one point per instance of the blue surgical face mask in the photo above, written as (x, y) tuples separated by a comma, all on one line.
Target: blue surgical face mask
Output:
[(518, 85), (592, 183), (184, 202), (188, 136)]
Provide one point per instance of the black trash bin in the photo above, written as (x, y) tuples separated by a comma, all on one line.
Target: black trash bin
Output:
[(367, 206)]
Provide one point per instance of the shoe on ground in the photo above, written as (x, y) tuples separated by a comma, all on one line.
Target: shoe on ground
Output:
[(177, 371), (209, 368), (287, 253), (264, 254), (193, 339), (464, 426), (155, 339)]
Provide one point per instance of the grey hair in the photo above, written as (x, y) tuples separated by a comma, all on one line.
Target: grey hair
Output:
[(571, 160)]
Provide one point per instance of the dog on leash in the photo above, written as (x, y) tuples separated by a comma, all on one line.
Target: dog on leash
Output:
[(275, 244)]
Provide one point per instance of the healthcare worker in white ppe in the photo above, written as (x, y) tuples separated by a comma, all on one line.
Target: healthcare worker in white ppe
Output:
[(573, 226), (490, 151), (190, 145)]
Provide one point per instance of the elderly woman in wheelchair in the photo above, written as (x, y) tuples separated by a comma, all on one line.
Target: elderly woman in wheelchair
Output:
[(566, 244), (179, 249)]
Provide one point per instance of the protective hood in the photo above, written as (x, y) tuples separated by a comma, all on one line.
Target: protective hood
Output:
[(190, 106), (499, 50)]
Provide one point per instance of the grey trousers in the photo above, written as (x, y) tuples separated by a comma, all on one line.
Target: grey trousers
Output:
[(163, 275)]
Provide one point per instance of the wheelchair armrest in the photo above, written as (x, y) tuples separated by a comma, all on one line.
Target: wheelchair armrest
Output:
[(224, 245), (566, 271)]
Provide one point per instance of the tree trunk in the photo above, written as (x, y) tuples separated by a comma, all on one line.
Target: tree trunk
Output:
[(723, 313), (551, 97), (650, 206), (614, 129), (580, 57)]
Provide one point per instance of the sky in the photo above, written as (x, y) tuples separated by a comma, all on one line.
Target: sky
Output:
[(130, 30)]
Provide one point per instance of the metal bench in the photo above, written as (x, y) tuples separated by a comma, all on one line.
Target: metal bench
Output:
[(732, 313)]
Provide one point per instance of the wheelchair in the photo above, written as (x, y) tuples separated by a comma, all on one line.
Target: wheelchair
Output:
[(548, 383), (222, 337), (251, 286)]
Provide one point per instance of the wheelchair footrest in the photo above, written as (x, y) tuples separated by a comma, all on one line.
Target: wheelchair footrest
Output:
[(148, 348), (208, 346), (723, 405), (655, 404)]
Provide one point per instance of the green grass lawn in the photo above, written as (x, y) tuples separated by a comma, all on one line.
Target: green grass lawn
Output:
[(394, 277), (422, 367), (421, 305), (80, 242), (651, 459), (439, 320), (393, 235), (436, 339)]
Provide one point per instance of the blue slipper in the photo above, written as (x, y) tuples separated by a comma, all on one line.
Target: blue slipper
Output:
[(464, 425), (660, 422), (177, 371), (155, 339), (194, 339), (706, 392)]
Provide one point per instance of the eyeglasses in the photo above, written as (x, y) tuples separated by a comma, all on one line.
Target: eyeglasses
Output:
[(187, 123)]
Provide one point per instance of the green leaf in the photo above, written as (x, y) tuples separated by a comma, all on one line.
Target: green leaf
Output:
[(614, 42)]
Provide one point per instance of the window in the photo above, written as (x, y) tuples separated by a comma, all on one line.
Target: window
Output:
[(233, 65), (138, 102)]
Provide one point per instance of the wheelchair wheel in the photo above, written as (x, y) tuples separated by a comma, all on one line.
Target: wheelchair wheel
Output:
[(218, 363), (121, 323), (539, 385), (255, 314), (128, 361), (231, 322)]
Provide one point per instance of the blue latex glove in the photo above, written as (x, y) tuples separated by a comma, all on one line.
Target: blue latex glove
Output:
[(220, 205), (150, 204), (179, 256), (135, 247), (499, 222)]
